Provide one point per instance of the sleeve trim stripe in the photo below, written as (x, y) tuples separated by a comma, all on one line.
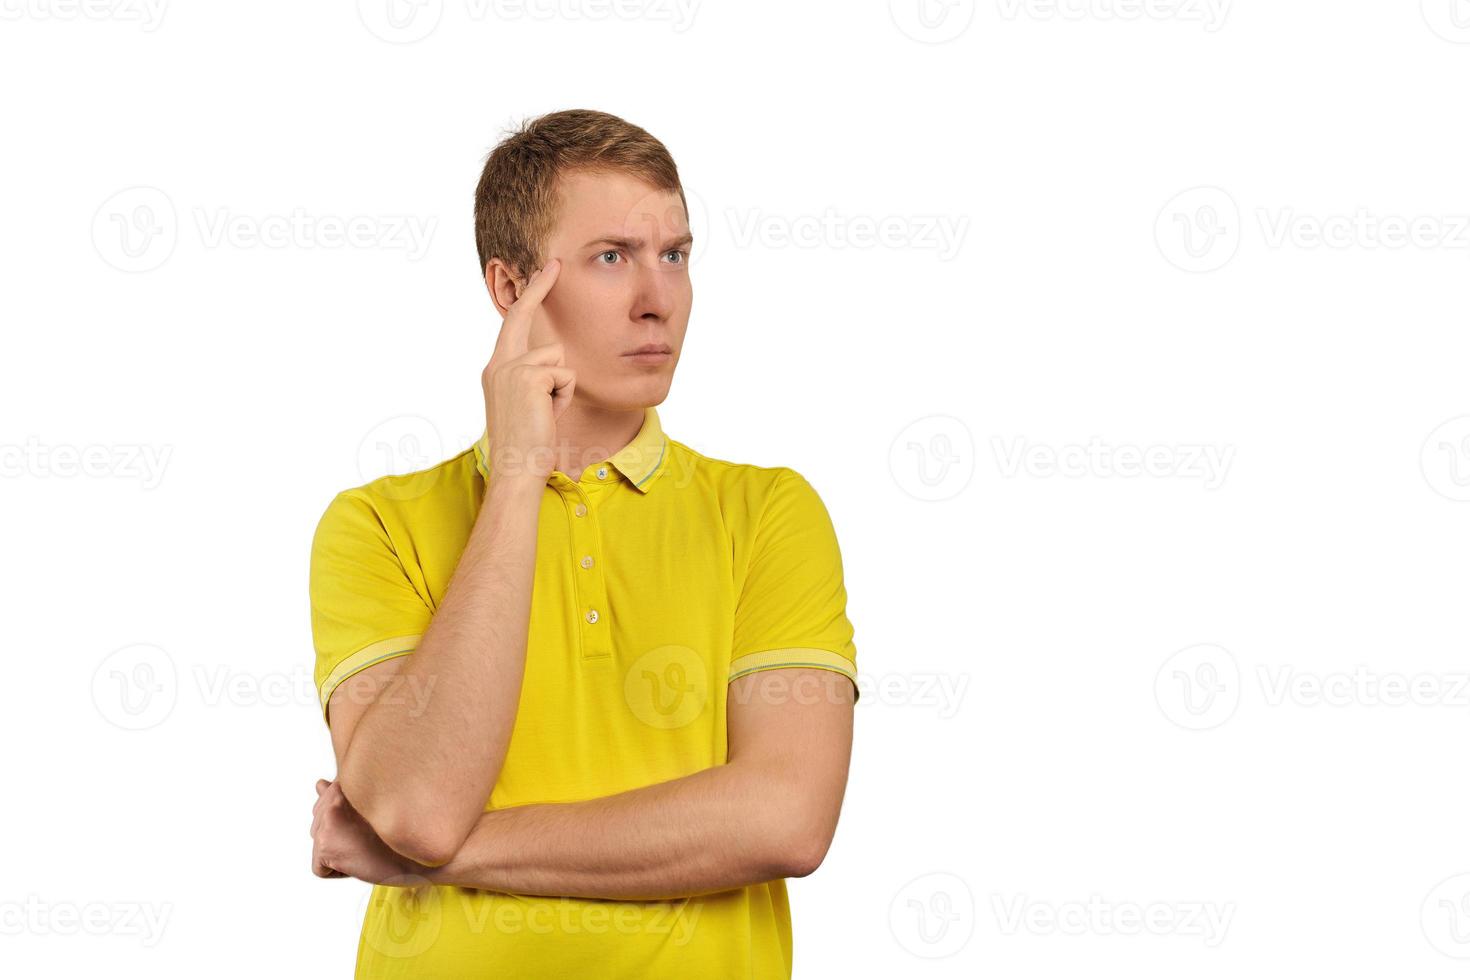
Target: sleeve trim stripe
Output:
[(373, 653), (792, 657)]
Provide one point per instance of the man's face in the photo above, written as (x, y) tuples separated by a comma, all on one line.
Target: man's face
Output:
[(624, 283)]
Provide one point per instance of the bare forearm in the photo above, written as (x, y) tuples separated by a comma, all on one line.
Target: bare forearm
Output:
[(714, 830), (420, 768)]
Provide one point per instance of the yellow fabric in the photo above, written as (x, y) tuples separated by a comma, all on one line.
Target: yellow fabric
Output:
[(699, 571)]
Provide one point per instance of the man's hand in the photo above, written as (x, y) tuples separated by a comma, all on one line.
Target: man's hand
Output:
[(343, 845), (526, 389)]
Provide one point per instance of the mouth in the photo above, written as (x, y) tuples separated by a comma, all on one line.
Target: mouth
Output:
[(651, 354)]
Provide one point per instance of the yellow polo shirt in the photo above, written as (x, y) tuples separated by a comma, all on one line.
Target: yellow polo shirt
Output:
[(661, 576)]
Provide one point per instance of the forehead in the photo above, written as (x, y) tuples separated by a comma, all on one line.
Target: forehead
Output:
[(594, 204)]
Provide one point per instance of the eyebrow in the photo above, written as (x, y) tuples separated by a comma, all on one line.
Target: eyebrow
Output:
[(637, 243)]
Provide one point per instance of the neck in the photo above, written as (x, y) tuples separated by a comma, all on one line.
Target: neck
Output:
[(586, 433)]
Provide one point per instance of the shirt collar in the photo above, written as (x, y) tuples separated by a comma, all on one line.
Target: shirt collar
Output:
[(640, 461)]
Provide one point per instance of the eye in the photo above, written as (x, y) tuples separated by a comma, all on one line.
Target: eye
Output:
[(613, 252), (682, 253)]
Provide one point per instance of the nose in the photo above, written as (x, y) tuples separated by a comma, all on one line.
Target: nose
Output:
[(655, 293)]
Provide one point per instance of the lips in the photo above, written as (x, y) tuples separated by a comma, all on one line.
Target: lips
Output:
[(650, 349)]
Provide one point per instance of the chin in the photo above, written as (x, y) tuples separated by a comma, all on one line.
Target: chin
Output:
[(626, 394)]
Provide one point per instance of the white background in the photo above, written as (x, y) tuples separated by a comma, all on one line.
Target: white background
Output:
[(963, 267)]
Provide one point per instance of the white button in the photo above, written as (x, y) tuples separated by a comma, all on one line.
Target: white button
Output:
[(581, 510), (592, 615), (586, 561), (602, 473)]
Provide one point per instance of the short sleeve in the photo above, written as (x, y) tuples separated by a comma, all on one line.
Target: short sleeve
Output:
[(792, 609), (364, 608)]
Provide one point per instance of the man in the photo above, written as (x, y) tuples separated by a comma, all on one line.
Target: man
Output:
[(590, 692)]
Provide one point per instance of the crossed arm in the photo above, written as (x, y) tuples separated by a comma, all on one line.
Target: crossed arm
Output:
[(409, 798), (769, 812)]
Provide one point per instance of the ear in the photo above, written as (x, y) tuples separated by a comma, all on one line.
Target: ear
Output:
[(503, 283)]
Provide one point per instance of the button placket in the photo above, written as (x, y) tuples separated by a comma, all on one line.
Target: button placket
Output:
[(589, 587)]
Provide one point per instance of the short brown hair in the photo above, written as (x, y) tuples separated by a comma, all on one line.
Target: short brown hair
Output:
[(515, 202)]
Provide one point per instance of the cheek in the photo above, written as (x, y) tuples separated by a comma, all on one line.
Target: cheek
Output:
[(579, 308)]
